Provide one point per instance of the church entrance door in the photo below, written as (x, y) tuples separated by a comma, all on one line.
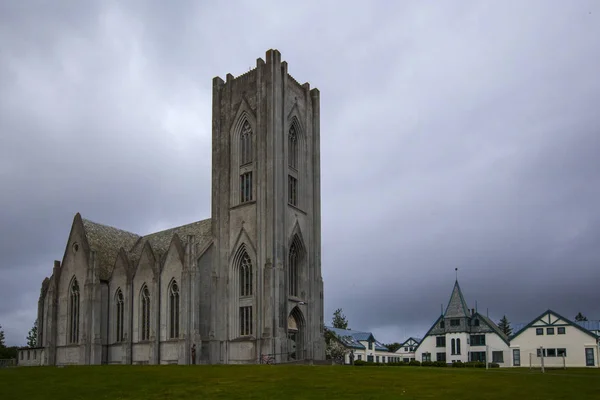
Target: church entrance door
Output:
[(295, 335)]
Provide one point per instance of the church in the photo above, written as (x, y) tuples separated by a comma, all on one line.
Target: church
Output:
[(239, 287)]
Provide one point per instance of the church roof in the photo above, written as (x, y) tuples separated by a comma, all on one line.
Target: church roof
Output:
[(106, 241), (457, 306), (160, 241)]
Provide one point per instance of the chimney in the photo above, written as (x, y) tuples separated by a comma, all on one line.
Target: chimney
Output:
[(472, 311)]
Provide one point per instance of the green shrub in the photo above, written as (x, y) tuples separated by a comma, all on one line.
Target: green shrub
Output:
[(415, 363), (494, 365), (440, 364), (458, 364), (427, 364)]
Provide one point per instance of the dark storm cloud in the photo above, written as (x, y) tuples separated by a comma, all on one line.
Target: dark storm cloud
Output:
[(460, 135)]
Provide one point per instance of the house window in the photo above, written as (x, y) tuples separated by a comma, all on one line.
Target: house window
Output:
[(455, 322), (478, 356), (145, 312), (376, 359), (369, 358), (561, 352), (441, 357), (453, 346), (412, 349), (589, 357), (359, 357), (476, 322), (477, 340), (498, 357), (561, 330), (293, 147), (440, 341), (539, 331), (246, 187), (370, 345), (517, 357), (551, 352), (549, 331), (119, 311), (382, 359), (458, 346), (174, 310), (292, 190), (74, 312), (406, 349), (442, 324), (246, 321), (426, 357), (28, 355), (245, 275), (541, 352)]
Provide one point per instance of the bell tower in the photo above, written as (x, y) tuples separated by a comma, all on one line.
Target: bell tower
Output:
[(266, 216)]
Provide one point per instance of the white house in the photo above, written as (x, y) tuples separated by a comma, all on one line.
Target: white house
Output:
[(364, 346), (556, 341), (406, 352), (462, 335)]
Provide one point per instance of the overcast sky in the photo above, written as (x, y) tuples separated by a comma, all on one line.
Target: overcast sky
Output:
[(459, 134)]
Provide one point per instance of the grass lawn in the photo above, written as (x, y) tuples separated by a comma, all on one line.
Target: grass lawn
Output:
[(294, 382)]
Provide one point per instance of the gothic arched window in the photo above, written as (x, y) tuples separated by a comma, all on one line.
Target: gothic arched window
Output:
[(74, 312), (293, 147), (119, 312), (453, 346), (293, 269), (246, 144), (245, 275), (145, 313), (173, 310), (457, 346)]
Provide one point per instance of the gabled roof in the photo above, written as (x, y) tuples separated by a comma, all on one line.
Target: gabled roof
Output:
[(160, 241), (457, 306), (106, 241), (493, 326), (350, 338), (589, 325), (416, 340), (557, 315)]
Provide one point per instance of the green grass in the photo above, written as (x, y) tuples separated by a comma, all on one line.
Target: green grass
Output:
[(294, 382)]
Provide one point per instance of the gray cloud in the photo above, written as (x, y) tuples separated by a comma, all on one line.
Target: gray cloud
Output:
[(460, 135)]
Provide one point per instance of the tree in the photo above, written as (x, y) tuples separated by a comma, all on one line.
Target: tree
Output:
[(333, 348), (2, 345), (392, 347), (339, 320), (504, 326), (32, 336), (580, 317)]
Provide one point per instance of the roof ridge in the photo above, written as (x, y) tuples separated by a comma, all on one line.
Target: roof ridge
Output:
[(108, 226), (176, 227)]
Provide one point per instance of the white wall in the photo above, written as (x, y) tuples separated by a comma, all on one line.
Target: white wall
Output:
[(574, 341)]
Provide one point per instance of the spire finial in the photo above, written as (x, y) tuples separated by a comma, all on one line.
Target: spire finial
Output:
[(456, 270)]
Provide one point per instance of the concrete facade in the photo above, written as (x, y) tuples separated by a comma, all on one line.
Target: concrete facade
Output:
[(229, 289)]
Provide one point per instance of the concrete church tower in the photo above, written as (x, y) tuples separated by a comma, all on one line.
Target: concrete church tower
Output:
[(229, 289), (266, 215)]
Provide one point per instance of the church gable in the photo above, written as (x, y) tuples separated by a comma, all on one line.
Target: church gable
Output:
[(107, 241)]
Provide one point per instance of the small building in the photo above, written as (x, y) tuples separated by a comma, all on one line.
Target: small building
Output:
[(30, 356), (556, 341), (464, 335), (406, 352), (364, 346)]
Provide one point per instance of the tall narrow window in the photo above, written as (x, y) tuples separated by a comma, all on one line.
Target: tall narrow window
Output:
[(74, 312), (293, 147), (246, 321), (453, 346), (145, 311), (246, 144), (457, 346), (293, 270), (292, 190), (174, 310), (245, 276), (246, 187), (119, 308)]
